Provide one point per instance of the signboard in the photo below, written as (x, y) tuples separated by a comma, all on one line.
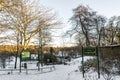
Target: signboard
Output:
[(25, 56), (89, 51)]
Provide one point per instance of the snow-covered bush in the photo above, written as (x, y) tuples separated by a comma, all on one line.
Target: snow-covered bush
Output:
[(108, 68), (90, 64)]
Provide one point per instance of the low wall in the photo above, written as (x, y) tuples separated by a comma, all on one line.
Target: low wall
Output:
[(111, 52)]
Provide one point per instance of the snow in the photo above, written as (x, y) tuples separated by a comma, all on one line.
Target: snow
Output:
[(61, 72)]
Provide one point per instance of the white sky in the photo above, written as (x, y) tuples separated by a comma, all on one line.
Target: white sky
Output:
[(64, 8)]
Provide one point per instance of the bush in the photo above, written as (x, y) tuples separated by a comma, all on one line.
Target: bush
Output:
[(108, 67), (90, 64), (3, 57), (49, 58)]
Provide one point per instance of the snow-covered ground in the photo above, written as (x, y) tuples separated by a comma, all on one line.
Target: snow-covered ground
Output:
[(61, 72)]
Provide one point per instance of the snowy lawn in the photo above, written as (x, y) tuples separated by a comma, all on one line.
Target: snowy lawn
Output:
[(61, 72)]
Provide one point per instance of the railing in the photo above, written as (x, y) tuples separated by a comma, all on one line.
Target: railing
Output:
[(15, 71)]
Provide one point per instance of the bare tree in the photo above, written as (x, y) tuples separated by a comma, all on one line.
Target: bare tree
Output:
[(26, 19), (113, 29), (100, 28), (87, 23)]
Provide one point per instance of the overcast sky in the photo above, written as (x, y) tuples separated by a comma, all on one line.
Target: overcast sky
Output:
[(64, 8)]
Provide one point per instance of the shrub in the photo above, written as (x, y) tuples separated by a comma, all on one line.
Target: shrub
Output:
[(108, 67), (49, 58), (3, 57), (90, 64)]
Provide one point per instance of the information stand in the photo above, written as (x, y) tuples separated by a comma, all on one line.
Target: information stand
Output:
[(90, 51)]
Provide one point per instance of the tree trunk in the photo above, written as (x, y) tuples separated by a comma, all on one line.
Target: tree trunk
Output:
[(15, 61), (17, 51), (4, 62)]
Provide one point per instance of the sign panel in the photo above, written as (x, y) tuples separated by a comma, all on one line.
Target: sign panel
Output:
[(25, 56), (89, 51)]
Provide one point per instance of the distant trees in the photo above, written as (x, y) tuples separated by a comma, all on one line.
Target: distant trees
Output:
[(113, 30)]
